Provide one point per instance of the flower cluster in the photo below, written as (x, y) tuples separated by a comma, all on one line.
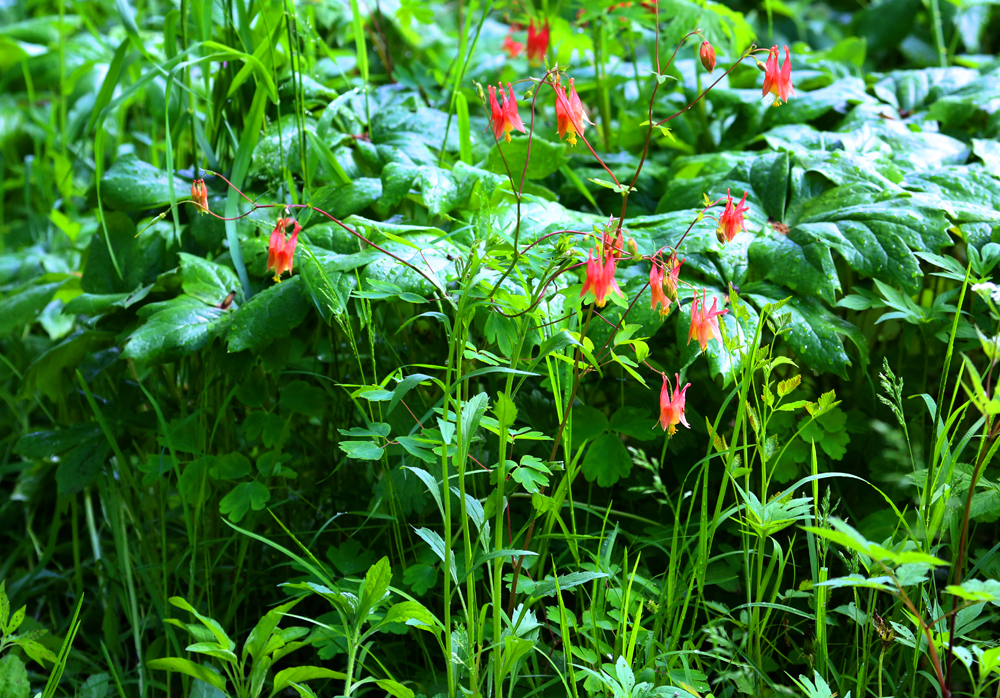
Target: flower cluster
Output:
[(281, 252), (604, 257), (538, 43), (601, 271)]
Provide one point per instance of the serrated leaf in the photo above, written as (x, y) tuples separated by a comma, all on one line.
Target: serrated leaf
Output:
[(607, 461), (814, 333)]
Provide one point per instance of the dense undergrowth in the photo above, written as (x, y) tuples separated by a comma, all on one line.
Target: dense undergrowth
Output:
[(343, 348)]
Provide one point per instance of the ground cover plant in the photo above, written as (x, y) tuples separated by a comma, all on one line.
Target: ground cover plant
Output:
[(499, 348)]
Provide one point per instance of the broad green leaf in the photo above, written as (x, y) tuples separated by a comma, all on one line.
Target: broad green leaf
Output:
[(208, 282), (174, 329), (361, 450), (133, 185), (298, 674), (343, 200), (976, 590), (298, 396), (394, 688), (146, 255), (814, 333), (189, 668), (19, 309), (271, 314), (13, 677), (411, 613), (546, 158), (242, 498), (607, 461)]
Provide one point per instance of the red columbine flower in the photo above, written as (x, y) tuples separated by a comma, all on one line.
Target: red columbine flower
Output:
[(199, 194), (707, 55), (672, 406), (657, 295), (570, 117), (731, 220), (778, 82), (704, 322), (513, 48), (600, 278), (281, 252), (505, 116), (538, 42)]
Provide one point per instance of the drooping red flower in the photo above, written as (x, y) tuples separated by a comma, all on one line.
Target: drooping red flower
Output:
[(600, 278), (570, 117), (511, 47), (199, 194), (705, 322), (731, 220), (656, 289), (538, 42), (672, 277), (672, 405), (778, 81), (707, 55), (505, 116), (281, 252)]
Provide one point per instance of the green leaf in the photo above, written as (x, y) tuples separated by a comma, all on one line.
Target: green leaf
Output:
[(174, 329), (361, 450), (270, 315), (237, 503), (260, 637), (546, 158), (133, 185), (207, 281), (411, 613), (376, 587), (19, 309), (798, 260), (814, 333), (298, 396), (634, 422), (343, 200), (298, 674), (532, 473), (48, 444), (189, 668), (13, 677), (327, 285), (231, 466), (80, 467), (394, 688), (547, 587), (977, 590), (607, 461), (146, 255)]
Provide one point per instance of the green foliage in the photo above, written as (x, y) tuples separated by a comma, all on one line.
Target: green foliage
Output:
[(426, 452)]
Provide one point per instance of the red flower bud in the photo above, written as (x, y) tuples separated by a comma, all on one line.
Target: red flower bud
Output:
[(707, 54)]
